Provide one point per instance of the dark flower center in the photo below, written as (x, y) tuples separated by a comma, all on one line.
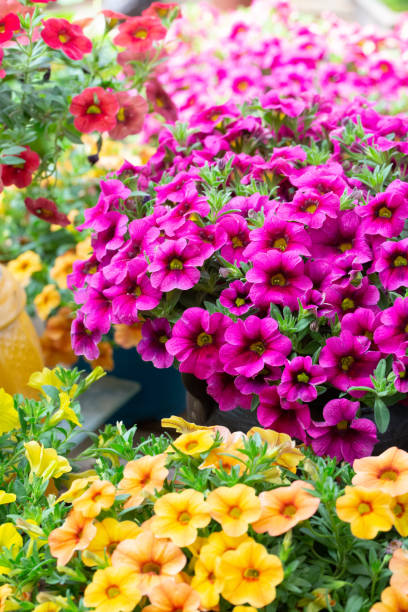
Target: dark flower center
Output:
[(239, 301), (342, 425), (44, 212), (236, 242), (345, 246), (364, 508), (258, 347), (137, 291), (235, 512), (400, 261), (303, 377), (140, 34), (121, 116), (163, 339), (346, 362), (280, 243), (398, 510), (93, 110), (278, 279), (176, 264), (151, 568), (289, 510), (385, 212), (112, 591), (251, 573), (64, 38), (389, 475), (347, 304), (203, 339), (310, 206), (184, 518)]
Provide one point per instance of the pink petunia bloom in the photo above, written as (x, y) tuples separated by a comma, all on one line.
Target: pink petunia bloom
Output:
[(174, 265), (236, 298), (111, 238), (130, 115), (210, 238), (362, 322), (299, 380), (391, 335), (278, 234), (9, 24), (162, 103), (237, 232), (84, 342), (152, 346), (175, 218), (345, 299), (400, 369), (385, 214), (278, 278), (324, 179), (139, 33), (69, 38), (255, 384), (348, 362), (311, 207), (94, 109), (98, 306), (342, 435), (392, 264), (252, 344), (196, 341), (221, 387), (291, 418)]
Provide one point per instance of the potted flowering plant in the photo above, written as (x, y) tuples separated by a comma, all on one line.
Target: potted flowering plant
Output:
[(204, 520)]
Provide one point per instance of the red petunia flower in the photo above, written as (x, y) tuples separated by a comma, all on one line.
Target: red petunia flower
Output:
[(130, 116), (139, 33), (94, 109), (161, 10), (112, 18), (9, 24), (20, 174), (61, 34), (162, 103), (47, 210)]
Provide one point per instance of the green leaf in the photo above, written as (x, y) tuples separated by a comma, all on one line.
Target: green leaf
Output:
[(254, 402), (381, 415), (379, 371)]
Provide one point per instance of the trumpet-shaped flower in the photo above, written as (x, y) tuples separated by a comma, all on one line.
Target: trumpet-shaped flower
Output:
[(285, 507), (299, 380), (151, 559), (44, 462), (194, 443), (64, 412), (142, 477), (8, 414), (113, 589), (179, 515), (399, 567), (205, 581), (99, 496), (234, 508), (392, 600), (5, 592), (280, 446), (400, 511), (6, 498), (109, 533), (170, 596), (250, 575), (388, 472), (367, 511), (76, 533)]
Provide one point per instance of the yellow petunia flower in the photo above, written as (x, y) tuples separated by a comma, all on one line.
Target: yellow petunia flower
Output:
[(281, 447), (179, 515), (46, 377), (219, 542), (47, 606), (10, 539), (234, 508), (392, 600), (109, 533), (182, 426), (193, 443), (77, 488), (24, 266), (367, 510), (250, 574), (8, 414), (6, 498), (400, 510), (47, 300), (44, 462), (205, 581), (387, 472), (113, 589), (99, 496), (243, 609), (65, 412), (142, 477)]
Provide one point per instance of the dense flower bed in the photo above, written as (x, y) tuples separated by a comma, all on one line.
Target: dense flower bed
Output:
[(206, 521)]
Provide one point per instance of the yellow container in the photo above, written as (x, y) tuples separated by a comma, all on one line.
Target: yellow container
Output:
[(20, 350)]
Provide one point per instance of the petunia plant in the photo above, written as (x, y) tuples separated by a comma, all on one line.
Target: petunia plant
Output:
[(203, 519)]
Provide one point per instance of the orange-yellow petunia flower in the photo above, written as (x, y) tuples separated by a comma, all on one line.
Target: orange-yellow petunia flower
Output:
[(77, 488), (99, 496), (62, 267), (24, 266), (45, 301), (205, 581), (250, 575), (399, 567), (368, 511), (113, 589), (285, 507), (170, 596), (400, 510), (280, 446), (226, 456), (219, 542), (5, 592), (142, 477), (388, 472), (151, 559), (234, 508), (392, 600), (194, 443), (75, 534), (179, 515), (109, 533)]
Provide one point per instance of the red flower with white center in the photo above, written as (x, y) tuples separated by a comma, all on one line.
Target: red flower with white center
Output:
[(69, 38), (21, 174), (94, 109), (9, 24), (161, 10), (130, 116), (162, 103), (47, 210), (139, 33)]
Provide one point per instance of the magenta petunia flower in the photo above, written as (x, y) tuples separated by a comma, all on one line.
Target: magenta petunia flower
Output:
[(345, 299), (255, 384), (348, 362), (291, 418), (328, 178), (237, 232), (311, 207), (278, 278), (196, 341), (392, 264), (392, 335), (152, 346), (111, 238), (278, 234), (236, 298), (174, 265), (342, 435), (221, 387), (400, 369), (84, 342), (252, 344), (175, 218), (362, 322), (97, 307), (299, 380), (385, 214)]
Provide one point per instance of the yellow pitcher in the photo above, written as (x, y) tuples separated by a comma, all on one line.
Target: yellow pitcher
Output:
[(20, 351)]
